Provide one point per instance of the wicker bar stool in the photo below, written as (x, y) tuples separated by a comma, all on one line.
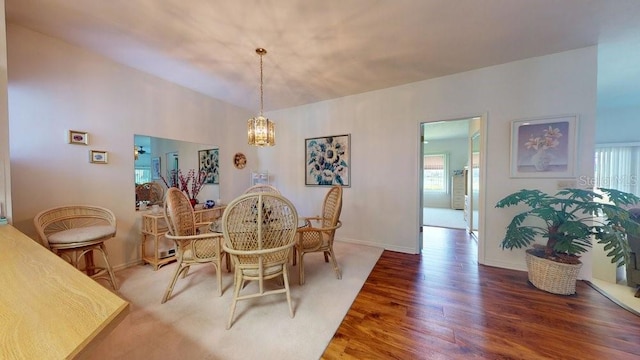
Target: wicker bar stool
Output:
[(76, 231)]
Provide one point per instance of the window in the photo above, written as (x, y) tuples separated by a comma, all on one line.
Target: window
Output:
[(142, 174), (617, 166), (475, 171), (435, 172)]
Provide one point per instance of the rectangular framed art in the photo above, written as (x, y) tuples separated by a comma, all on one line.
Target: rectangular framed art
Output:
[(328, 160), (155, 168), (78, 137), (98, 157), (208, 161), (544, 147)]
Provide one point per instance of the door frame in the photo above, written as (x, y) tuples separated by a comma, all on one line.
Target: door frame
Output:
[(482, 131)]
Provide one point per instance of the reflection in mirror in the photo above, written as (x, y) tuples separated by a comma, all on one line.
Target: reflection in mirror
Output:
[(156, 161)]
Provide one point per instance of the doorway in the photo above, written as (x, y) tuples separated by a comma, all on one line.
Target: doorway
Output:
[(451, 155), (474, 183)]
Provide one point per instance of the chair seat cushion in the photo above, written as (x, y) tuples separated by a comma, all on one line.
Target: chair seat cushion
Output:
[(82, 234), (269, 270)]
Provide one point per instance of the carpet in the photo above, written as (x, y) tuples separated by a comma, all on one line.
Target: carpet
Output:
[(443, 217), (191, 324)]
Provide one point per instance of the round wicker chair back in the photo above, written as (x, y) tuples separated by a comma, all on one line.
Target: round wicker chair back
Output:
[(178, 213), (259, 232), (261, 188), (152, 192), (332, 207), (192, 247), (319, 234)]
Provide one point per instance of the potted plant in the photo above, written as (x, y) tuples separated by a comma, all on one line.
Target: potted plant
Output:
[(568, 220)]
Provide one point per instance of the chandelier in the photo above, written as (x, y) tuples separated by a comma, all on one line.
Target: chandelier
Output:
[(261, 131)]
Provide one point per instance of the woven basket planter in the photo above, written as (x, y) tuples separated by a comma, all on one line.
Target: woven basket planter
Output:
[(551, 276)]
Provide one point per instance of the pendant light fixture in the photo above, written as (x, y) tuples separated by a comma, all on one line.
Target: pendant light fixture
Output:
[(261, 131)]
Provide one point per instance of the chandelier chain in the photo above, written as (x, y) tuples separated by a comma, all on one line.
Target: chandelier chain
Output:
[(260, 130), (261, 91)]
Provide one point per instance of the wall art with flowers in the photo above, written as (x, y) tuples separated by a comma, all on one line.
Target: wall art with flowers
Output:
[(328, 160), (544, 147), (209, 162)]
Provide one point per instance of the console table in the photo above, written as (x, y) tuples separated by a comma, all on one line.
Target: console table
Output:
[(154, 227)]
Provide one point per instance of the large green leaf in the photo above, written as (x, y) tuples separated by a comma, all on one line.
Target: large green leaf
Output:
[(572, 217)]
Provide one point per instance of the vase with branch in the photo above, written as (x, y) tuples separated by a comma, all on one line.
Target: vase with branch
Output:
[(190, 184)]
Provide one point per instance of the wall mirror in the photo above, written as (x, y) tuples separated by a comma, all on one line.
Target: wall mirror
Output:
[(154, 160)]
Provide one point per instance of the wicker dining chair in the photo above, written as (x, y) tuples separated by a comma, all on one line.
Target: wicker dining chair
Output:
[(259, 232), (191, 247), (262, 188), (74, 232), (151, 192), (319, 232)]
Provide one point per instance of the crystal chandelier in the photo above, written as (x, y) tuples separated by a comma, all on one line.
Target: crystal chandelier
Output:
[(261, 131)]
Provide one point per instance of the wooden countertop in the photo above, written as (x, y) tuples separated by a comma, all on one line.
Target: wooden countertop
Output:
[(48, 309)]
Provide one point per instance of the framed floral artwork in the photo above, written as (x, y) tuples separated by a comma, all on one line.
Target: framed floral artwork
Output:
[(544, 147), (208, 161), (328, 160), (98, 156), (78, 137)]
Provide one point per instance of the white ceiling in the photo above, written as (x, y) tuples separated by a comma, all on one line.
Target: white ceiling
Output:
[(319, 50)]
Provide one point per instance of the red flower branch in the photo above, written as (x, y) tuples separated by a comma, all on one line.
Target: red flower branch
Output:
[(191, 184)]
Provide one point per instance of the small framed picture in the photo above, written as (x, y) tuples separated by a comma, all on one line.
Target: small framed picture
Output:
[(98, 157), (78, 137)]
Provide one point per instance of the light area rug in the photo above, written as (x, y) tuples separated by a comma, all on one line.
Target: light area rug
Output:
[(443, 217), (191, 324), (621, 294)]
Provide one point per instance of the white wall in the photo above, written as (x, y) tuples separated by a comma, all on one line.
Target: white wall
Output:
[(381, 206), (616, 125), (55, 87)]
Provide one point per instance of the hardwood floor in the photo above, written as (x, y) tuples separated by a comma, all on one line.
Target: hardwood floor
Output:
[(443, 305)]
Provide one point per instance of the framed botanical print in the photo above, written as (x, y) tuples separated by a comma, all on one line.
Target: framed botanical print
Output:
[(328, 160), (78, 137), (98, 156), (544, 147), (209, 163)]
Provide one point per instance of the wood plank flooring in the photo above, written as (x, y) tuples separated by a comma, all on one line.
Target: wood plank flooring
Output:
[(443, 305)]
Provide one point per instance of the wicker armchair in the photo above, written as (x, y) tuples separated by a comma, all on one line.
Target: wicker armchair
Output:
[(74, 232), (319, 233), (151, 192), (261, 188), (191, 247), (259, 233)]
